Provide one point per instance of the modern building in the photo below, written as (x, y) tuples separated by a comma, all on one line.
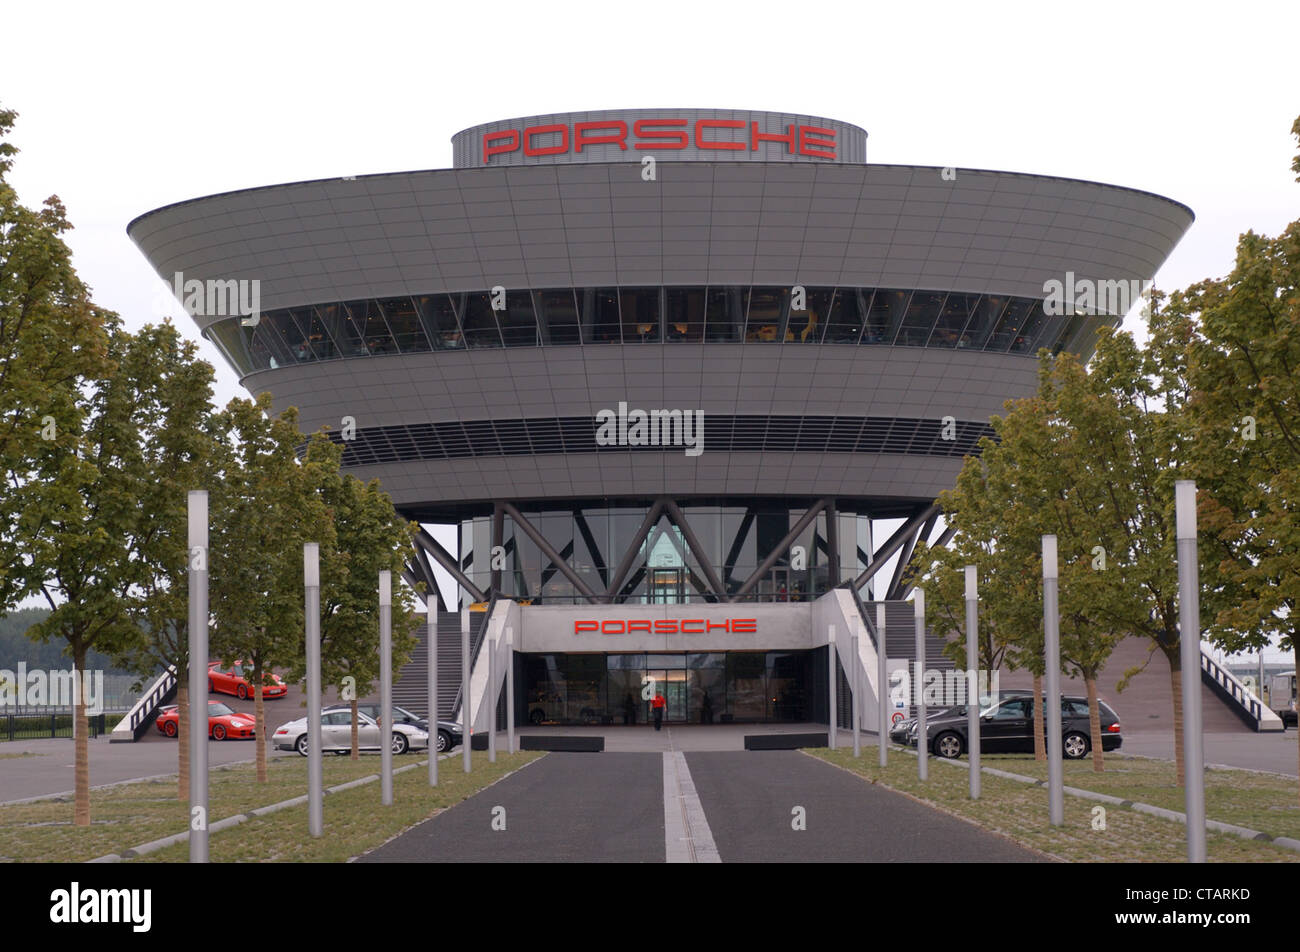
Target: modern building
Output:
[(667, 372)]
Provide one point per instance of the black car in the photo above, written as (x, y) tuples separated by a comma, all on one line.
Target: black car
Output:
[(1008, 728), (904, 731), (449, 732)]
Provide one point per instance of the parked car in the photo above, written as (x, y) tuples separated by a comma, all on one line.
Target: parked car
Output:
[(233, 679), (901, 733), (336, 734), (449, 732), (1007, 727), (223, 722)]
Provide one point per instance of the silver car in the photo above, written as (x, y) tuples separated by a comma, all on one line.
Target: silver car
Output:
[(336, 734)]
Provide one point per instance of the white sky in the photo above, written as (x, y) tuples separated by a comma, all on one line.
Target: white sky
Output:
[(124, 107)]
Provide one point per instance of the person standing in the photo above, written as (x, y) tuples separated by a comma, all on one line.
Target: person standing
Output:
[(658, 707)]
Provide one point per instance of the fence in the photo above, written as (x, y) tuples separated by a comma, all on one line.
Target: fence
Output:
[(37, 726)]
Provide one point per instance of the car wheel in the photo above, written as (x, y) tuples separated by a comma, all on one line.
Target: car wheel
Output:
[(170, 728), (536, 717), (400, 744), (212, 688), (948, 745), (218, 732), (300, 744), (444, 742), (241, 692), (1076, 745)]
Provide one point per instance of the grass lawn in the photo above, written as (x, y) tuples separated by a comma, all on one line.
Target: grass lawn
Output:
[(1259, 801), (1019, 811), (128, 815)]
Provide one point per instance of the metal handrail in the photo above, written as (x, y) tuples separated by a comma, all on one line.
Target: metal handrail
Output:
[(148, 703), (475, 644), (863, 613), (1228, 681)]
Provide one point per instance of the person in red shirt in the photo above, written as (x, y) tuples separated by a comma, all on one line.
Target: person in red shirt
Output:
[(657, 705)]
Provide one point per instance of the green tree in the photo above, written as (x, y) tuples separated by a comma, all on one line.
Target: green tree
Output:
[(266, 510), (369, 537), (78, 533), (1243, 365), (52, 341), (181, 448)]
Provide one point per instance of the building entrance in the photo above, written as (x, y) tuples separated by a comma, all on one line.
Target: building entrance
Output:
[(698, 688)]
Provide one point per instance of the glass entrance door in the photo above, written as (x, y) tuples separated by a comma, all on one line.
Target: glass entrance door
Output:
[(674, 685), (676, 694)]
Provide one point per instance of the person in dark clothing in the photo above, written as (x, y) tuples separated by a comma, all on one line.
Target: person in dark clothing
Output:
[(706, 709), (658, 706), (629, 709)]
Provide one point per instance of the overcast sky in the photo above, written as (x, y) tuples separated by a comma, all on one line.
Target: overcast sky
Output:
[(124, 107)]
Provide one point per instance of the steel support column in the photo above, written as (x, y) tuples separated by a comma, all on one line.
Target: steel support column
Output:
[(778, 549), (693, 543), (549, 551), (625, 563), (440, 555), (895, 542)]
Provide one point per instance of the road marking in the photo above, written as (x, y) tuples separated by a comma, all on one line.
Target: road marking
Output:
[(687, 838)]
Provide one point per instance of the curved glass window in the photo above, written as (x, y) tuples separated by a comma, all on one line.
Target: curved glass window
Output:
[(644, 315)]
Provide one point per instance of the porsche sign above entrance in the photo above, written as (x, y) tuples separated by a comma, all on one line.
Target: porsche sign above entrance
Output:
[(671, 134)]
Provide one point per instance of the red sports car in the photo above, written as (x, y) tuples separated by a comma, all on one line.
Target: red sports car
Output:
[(222, 722), (233, 679)]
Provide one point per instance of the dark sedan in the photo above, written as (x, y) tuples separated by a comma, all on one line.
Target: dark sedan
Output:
[(1008, 728), (904, 732)]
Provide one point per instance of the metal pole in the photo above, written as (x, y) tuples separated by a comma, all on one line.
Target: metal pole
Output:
[(431, 609), (972, 683), (198, 725), (1259, 688), (386, 686), (491, 648), (1052, 693), (882, 684), (466, 728), (832, 684), (857, 683), (315, 756), (922, 735), (510, 690), (1189, 628)]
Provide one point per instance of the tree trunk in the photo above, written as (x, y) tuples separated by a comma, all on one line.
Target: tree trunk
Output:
[(1094, 725), (80, 742), (259, 716), (183, 736), (1040, 731), (1176, 683), (356, 749)]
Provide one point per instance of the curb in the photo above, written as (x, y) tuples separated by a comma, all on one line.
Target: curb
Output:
[(231, 821), (1217, 825)]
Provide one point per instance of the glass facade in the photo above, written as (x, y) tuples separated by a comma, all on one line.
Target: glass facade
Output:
[(698, 688), (664, 569), (643, 315)]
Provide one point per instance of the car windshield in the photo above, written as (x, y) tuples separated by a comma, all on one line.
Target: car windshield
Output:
[(217, 709)]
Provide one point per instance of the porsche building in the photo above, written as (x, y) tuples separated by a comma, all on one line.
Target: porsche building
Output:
[(685, 382)]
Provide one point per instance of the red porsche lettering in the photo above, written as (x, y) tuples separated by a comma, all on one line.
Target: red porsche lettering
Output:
[(665, 626), (659, 135)]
